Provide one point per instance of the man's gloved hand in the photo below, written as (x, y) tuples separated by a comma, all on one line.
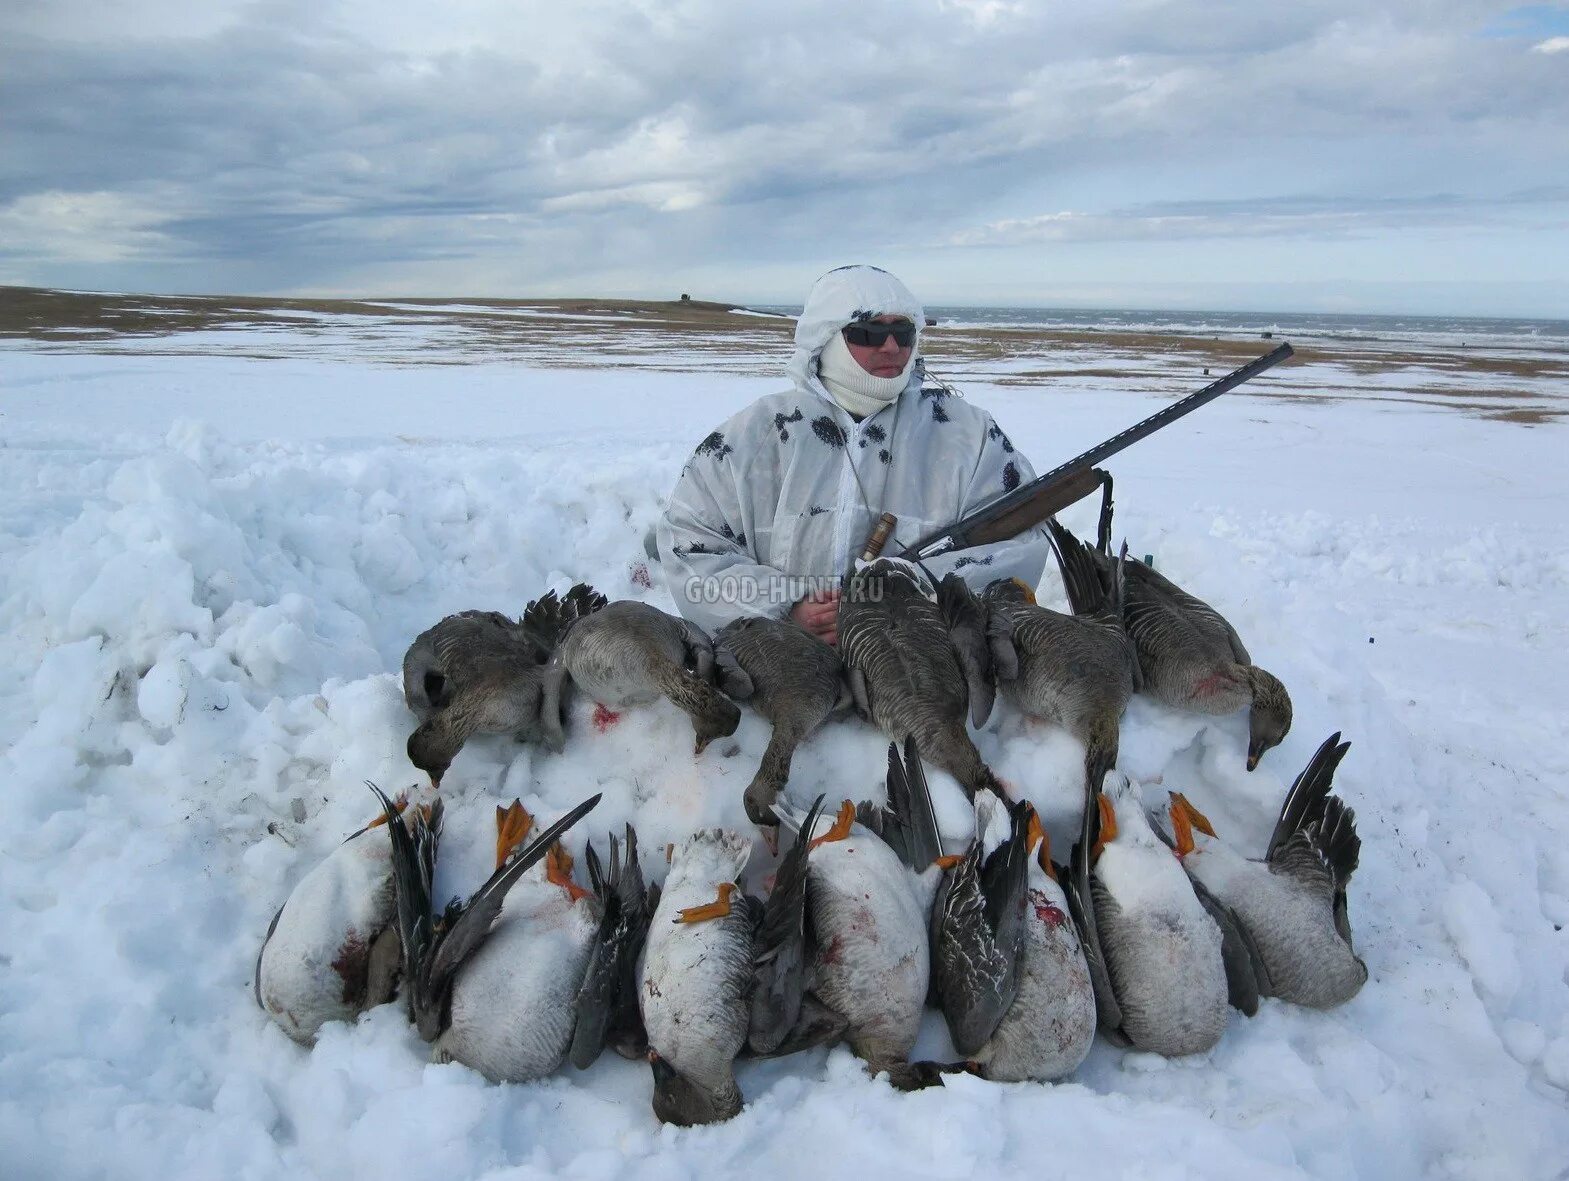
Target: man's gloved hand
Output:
[(818, 613)]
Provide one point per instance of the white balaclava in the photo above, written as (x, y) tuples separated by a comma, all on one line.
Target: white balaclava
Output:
[(859, 392), (841, 297)]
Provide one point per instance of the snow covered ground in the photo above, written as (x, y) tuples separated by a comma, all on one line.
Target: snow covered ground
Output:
[(210, 566)]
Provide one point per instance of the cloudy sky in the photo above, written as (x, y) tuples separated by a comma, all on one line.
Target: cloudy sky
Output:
[(1357, 155)]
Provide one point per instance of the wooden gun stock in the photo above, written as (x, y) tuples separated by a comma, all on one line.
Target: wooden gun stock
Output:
[(1032, 512)]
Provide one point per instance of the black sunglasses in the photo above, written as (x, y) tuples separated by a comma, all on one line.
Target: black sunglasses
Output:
[(870, 334)]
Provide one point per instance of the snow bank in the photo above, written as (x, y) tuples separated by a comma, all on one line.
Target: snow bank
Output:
[(204, 625)]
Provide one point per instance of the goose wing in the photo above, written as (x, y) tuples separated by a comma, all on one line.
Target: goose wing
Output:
[(780, 943), (1155, 607), (1089, 902), (968, 635), (1247, 977)]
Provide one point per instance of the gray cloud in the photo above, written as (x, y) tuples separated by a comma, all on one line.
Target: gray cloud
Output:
[(1545, 207), (489, 145)]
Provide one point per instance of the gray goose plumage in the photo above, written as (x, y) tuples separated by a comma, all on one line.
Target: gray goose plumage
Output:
[(792, 679), (479, 672), (724, 973), (1075, 670), (870, 885), (1192, 658), (1291, 905), (628, 653), (904, 670), (1153, 950), (492, 982), (977, 928), (1047, 1026)]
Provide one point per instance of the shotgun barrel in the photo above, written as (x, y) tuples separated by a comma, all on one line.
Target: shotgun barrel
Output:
[(1013, 512)]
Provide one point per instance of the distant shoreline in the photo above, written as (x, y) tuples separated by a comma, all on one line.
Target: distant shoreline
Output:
[(1021, 315), (1515, 379)]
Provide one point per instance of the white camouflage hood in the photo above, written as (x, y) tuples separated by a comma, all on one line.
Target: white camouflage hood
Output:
[(843, 296)]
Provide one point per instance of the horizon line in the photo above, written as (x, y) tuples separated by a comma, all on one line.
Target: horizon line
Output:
[(772, 304)]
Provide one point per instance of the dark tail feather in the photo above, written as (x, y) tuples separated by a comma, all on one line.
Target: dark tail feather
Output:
[(910, 808), (547, 618), (582, 600), (1089, 826), (1004, 877), (780, 940), (1081, 901), (626, 1033), (596, 995), (413, 868), (1338, 840), (634, 894), (1304, 802), (600, 881), (1087, 595), (1119, 582)]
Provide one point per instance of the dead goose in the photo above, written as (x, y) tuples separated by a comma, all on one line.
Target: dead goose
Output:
[(1077, 670), (697, 975), (332, 949), (1291, 906), (724, 973), (1153, 950), (628, 653), (493, 983), (1047, 1025), (478, 672), (869, 911), (1192, 658), (792, 679), (1049, 1028), (904, 671)]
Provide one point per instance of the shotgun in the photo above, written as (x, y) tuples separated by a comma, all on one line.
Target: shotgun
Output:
[(1014, 512)]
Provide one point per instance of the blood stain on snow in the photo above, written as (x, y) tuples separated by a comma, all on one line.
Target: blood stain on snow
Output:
[(604, 718)]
